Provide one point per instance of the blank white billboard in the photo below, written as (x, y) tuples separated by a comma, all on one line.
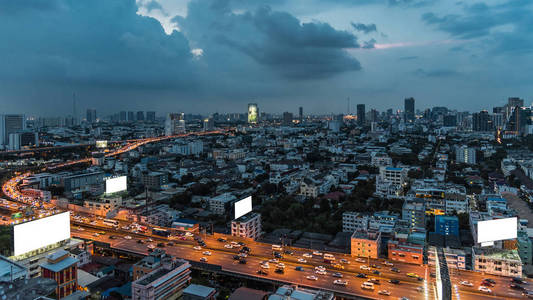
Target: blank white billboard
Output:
[(496, 230), (101, 144), (243, 207), (117, 184), (36, 234)]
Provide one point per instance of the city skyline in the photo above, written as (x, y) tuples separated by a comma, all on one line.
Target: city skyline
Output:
[(172, 56)]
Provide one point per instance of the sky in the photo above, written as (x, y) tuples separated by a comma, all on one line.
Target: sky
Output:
[(206, 56)]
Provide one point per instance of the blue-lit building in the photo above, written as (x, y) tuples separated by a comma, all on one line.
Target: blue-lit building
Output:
[(447, 225)]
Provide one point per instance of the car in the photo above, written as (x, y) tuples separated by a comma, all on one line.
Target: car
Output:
[(265, 266), (320, 272), (394, 281), (376, 272), (420, 289), (344, 261), (375, 266), (273, 260), (128, 237), (208, 253), (245, 249), (278, 255), (236, 257), (228, 246), (361, 275), (337, 274), (223, 240), (364, 267), (203, 259), (484, 289), (243, 255), (412, 275), (340, 282), (420, 279), (367, 285), (374, 280), (197, 248), (488, 284), (395, 270), (301, 260), (528, 294), (489, 280), (242, 261), (320, 268), (317, 253), (384, 292), (299, 268), (361, 260), (338, 266), (312, 277), (466, 283), (307, 255), (280, 271), (241, 243), (262, 272), (280, 265), (518, 280), (388, 264), (515, 286), (288, 252)]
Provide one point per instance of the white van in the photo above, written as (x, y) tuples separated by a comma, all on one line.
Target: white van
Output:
[(367, 285)]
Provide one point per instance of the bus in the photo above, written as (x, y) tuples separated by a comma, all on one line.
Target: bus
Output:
[(328, 258), (276, 248), (112, 223), (160, 232)]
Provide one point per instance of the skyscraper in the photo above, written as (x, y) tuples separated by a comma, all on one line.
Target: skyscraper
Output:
[(287, 118), (140, 116), (10, 124), (253, 113), (91, 115), (174, 123), (409, 108), (150, 116), (131, 116), (301, 114), (361, 114), (481, 121), (123, 116)]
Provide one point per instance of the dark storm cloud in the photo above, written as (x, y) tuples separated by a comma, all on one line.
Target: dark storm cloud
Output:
[(276, 40), (366, 28), (92, 42), (506, 27)]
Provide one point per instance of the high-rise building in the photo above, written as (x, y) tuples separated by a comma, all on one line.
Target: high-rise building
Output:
[(150, 116), (123, 116), (361, 114), (253, 113), (374, 115), (449, 120), (519, 119), (209, 124), (481, 121), (287, 118), (131, 116), (10, 124), (301, 114), (515, 101), (409, 109), (140, 116), (465, 155), (175, 123), (91, 115)]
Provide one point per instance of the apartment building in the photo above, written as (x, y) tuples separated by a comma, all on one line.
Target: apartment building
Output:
[(165, 282), (366, 243), (352, 221), (247, 226), (497, 261)]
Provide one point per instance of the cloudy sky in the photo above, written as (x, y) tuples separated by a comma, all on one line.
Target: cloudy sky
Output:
[(204, 56)]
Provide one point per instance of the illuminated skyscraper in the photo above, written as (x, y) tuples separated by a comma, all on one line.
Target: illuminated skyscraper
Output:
[(409, 109), (361, 114), (253, 113)]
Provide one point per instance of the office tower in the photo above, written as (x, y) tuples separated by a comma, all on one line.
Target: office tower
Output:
[(253, 113), (515, 101), (23, 139), (498, 120), (374, 115), (131, 116), (301, 114), (10, 124), (287, 118), (409, 109), (150, 116), (361, 114), (91, 115), (498, 109), (209, 124), (481, 121), (123, 116), (140, 116), (519, 119)]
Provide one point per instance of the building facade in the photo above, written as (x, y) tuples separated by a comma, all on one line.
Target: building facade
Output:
[(247, 226)]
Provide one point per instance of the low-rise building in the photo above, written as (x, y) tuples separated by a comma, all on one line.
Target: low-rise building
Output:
[(164, 282), (366, 243), (247, 226), (63, 269), (352, 221), (497, 261), (405, 252), (199, 292), (222, 203), (455, 258)]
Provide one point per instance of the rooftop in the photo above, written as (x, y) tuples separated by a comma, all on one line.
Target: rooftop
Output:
[(199, 290)]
